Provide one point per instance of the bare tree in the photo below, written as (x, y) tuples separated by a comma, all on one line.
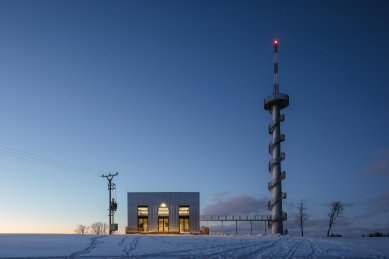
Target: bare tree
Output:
[(99, 228), (301, 216), (81, 229), (105, 228), (336, 211)]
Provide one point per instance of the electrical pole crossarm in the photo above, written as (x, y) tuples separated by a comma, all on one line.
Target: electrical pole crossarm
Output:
[(109, 176)]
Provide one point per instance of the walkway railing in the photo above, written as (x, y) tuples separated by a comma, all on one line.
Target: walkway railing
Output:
[(235, 217)]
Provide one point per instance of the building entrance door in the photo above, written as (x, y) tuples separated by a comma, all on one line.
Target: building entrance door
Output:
[(183, 213), (142, 224), (163, 218), (184, 224), (143, 218), (163, 224)]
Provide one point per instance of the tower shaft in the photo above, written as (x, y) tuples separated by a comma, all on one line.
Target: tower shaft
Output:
[(277, 226)]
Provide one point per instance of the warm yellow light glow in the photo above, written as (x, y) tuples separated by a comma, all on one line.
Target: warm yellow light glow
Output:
[(163, 204)]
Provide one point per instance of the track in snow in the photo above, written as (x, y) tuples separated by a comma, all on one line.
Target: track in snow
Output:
[(176, 246)]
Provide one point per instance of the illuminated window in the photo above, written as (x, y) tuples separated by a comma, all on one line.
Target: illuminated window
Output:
[(162, 212), (143, 211), (183, 211)]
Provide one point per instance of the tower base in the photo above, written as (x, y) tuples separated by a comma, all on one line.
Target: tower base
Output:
[(277, 227)]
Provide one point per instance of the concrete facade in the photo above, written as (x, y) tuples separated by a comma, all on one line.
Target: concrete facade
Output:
[(170, 200)]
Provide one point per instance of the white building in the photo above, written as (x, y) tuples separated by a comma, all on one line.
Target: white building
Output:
[(163, 212)]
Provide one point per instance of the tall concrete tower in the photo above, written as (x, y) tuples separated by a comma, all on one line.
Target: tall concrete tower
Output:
[(274, 104)]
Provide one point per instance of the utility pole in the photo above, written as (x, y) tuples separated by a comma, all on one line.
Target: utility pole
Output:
[(112, 207)]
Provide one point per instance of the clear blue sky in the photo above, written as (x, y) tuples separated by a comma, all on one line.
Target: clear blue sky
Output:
[(170, 95)]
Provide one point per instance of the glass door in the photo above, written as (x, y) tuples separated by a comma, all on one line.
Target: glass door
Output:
[(163, 224), (184, 224), (163, 218), (142, 224), (183, 213)]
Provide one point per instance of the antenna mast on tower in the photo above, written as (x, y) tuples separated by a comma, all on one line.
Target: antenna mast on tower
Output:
[(275, 84)]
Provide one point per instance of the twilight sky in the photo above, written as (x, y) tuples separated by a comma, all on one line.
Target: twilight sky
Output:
[(170, 95)]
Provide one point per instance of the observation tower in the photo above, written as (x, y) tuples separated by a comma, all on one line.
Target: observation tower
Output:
[(274, 104)]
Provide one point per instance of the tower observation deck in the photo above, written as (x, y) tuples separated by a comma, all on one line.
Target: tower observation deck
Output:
[(274, 104)]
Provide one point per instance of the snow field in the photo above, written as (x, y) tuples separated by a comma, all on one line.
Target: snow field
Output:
[(41, 246)]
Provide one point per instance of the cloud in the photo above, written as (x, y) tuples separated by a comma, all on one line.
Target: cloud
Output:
[(358, 231), (376, 206), (288, 205), (236, 205), (319, 227), (345, 204), (313, 227), (348, 204), (343, 226), (324, 222), (220, 196), (379, 204), (383, 151), (225, 204), (381, 166)]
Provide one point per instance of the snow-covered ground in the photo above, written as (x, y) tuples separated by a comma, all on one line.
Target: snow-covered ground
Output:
[(173, 246)]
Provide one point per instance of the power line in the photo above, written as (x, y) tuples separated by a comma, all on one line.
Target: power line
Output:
[(55, 161), (69, 169), (44, 162), (48, 161)]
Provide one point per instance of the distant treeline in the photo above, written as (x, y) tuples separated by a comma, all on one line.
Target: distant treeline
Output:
[(97, 228), (335, 235), (377, 234)]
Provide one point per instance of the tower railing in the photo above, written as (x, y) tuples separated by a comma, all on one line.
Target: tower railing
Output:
[(272, 183), (273, 124), (274, 141), (280, 99)]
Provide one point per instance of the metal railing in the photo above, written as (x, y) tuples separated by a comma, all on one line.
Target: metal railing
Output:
[(273, 124), (243, 217), (274, 141), (281, 99), (276, 160), (235, 217), (281, 177), (273, 200)]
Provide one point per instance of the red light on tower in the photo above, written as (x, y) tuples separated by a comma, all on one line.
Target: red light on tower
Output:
[(275, 42)]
